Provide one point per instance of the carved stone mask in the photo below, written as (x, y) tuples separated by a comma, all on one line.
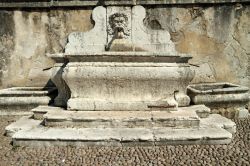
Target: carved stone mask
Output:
[(118, 25)]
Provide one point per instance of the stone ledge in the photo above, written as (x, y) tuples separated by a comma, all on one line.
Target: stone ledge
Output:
[(119, 136), (122, 119), (72, 3)]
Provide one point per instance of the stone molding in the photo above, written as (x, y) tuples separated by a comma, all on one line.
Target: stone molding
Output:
[(74, 3)]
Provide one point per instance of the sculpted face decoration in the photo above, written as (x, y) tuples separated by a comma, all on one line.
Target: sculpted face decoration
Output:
[(118, 25)]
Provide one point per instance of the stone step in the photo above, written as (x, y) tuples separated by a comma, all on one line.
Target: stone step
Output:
[(41, 110), (24, 123), (43, 136), (118, 119), (19, 99), (219, 121)]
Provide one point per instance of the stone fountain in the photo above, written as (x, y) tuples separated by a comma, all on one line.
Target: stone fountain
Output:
[(121, 84), (121, 65)]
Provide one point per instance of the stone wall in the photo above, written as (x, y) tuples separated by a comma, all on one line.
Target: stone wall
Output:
[(217, 35), (27, 35)]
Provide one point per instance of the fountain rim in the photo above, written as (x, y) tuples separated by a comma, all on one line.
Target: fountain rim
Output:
[(233, 88), (150, 56), (120, 53)]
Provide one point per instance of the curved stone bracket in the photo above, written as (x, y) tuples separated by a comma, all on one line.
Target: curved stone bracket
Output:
[(149, 40), (93, 40)]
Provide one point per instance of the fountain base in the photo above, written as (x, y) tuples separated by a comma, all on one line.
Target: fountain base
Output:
[(121, 128)]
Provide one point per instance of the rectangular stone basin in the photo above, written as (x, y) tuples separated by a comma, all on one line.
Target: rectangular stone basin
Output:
[(126, 81), (218, 94)]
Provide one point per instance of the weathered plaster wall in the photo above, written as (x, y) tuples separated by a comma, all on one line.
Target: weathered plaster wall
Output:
[(27, 35), (218, 36)]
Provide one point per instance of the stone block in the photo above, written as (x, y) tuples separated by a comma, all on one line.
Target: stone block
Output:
[(177, 119), (24, 123), (184, 117), (81, 137), (242, 112), (39, 111), (219, 121), (210, 135), (201, 110)]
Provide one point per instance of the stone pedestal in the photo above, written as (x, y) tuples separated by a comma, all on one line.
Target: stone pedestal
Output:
[(121, 128)]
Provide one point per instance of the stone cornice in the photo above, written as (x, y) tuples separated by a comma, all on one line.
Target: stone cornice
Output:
[(71, 3)]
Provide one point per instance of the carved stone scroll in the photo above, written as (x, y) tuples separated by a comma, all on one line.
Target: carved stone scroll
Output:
[(93, 40)]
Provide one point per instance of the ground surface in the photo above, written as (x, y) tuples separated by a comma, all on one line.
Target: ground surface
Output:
[(236, 153)]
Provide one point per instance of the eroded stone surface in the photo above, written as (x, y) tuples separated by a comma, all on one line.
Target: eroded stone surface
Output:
[(118, 128), (217, 51), (24, 123), (25, 98), (237, 152), (125, 86), (227, 99), (26, 35), (219, 121), (119, 136), (182, 118), (39, 111), (210, 135), (93, 40)]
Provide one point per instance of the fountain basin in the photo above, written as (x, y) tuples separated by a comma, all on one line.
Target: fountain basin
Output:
[(218, 94), (224, 98), (126, 80)]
